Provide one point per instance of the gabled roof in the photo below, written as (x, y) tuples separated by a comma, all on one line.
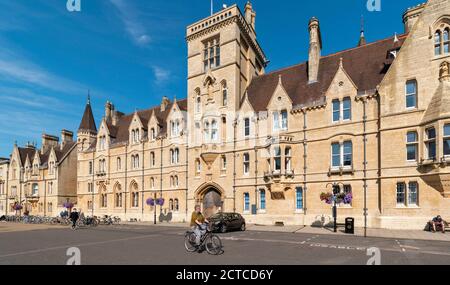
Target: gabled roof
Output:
[(366, 65), (120, 132), (24, 152), (87, 122)]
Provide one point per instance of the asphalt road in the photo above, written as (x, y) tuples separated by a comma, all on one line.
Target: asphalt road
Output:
[(149, 245)]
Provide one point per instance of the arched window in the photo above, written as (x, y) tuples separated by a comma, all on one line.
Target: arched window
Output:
[(175, 180), (35, 190), (152, 159), (198, 104), (176, 154), (171, 205), (136, 161), (118, 196), (437, 43), (171, 181), (246, 163), (446, 40), (104, 200), (288, 159), (214, 130), (176, 205), (198, 166), (152, 183), (277, 159), (206, 131), (134, 199), (224, 94), (152, 134), (119, 163), (118, 200)]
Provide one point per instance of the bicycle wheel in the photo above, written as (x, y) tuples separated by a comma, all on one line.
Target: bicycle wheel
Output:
[(189, 242), (213, 245)]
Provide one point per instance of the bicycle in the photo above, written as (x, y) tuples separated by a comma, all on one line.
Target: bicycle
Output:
[(210, 241)]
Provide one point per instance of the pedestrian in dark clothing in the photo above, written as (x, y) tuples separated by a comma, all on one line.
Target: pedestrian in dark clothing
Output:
[(74, 216)]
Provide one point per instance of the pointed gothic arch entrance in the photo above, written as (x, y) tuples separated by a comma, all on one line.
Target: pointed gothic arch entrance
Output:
[(211, 198)]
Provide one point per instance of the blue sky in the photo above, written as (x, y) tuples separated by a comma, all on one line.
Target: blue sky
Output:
[(133, 52)]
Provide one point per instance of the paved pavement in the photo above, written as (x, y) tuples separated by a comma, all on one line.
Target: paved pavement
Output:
[(383, 233), (155, 245)]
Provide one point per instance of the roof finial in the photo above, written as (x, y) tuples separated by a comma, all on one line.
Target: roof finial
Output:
[(362, 38), (341, 62), (395, 38), (89, 97)]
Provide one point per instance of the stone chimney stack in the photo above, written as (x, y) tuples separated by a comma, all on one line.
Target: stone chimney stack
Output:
[(116, 117), (315, 48), (250, 15), (48, 141), (164, 103), (66, 137), (411, 15), (109, 108)]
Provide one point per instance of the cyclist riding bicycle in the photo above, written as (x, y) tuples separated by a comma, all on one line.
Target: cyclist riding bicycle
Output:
[(198, 225)]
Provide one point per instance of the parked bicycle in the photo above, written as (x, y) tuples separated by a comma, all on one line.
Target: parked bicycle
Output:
[(210, 241)]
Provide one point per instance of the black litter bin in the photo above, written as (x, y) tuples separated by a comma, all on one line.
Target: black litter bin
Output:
[(350, 226)]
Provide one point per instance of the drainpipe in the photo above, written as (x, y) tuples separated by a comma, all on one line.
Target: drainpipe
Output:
[(364, 100), (143, 181), (234, 165), (126, 181), (380, 208), (21, 174), (93, 182), (305, 168), (45, 194), (7, 191), (187, 175), (256, 164)]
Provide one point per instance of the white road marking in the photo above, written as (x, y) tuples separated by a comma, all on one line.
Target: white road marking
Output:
[(76, 245)]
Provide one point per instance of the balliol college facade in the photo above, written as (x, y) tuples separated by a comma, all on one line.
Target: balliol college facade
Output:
[(373, 120)]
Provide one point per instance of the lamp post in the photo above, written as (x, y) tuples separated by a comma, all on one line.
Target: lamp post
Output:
[(336, 190)]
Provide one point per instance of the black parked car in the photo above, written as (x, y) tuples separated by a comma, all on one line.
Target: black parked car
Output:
[(224, 222)]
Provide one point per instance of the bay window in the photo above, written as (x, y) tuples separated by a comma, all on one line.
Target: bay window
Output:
[(447, 140), (430, 143)]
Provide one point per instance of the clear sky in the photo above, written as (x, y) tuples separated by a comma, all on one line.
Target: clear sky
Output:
[(133, 52)]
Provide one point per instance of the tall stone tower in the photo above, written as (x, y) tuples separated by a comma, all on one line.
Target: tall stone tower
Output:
[(87, 131), (223, 57)]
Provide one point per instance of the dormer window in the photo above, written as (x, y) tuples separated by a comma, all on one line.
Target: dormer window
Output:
[(211, 54), (175, 128), (135, 136), (51, 168), (152, 134), (280, 121), (102, 143)]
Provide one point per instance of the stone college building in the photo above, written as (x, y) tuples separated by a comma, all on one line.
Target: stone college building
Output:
[(373, 120)]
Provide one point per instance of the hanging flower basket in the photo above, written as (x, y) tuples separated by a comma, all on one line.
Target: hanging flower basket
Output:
[(160, 201), (150, 202), (340, 198), (68, 205), (17, 207)]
